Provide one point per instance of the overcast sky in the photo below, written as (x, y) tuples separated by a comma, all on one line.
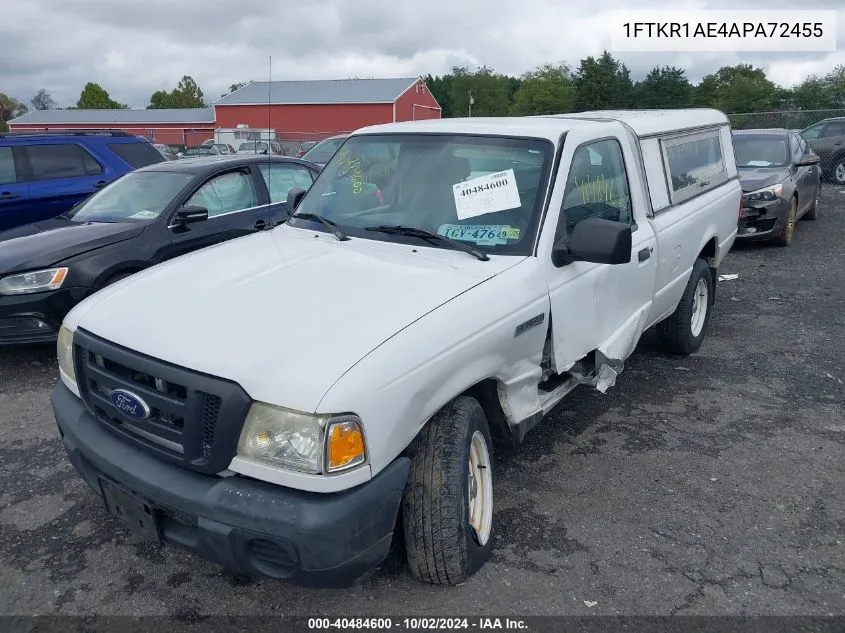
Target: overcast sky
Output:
[(134, 47)]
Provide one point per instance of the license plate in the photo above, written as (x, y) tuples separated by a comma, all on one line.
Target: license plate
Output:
[(137, 513)]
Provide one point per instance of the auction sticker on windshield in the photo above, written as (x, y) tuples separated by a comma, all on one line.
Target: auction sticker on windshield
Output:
[(481, 234), (486, 194)]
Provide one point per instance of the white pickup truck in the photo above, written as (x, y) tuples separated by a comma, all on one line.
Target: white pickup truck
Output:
[(285, 403)]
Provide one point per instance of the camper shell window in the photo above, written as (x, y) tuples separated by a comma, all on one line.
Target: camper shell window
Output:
[(694, 164)]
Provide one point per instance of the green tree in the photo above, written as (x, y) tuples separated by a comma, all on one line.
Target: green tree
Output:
[(487, 90), (547, 89), (95, 97), (740, 88), (834, 83), (9, 109), (42, 100), (233, 87), (603, 82), (187, 94), (664, 87)]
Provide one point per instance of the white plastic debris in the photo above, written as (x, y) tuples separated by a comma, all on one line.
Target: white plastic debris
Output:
[(728, 277), (590, 603)]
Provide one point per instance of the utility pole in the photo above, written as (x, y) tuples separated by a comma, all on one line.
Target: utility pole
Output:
[(471, 101)]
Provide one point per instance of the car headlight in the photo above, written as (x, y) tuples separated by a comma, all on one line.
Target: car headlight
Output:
[(64, 351), (767, 193), (35, 281), (303, 442)]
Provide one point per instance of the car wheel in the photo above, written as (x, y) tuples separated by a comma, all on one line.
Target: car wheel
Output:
[(839, 171), (447, 509), (785, 237), (811, 213), (684, 331)]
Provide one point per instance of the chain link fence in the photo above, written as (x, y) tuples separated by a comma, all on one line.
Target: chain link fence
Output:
[(789, 119)]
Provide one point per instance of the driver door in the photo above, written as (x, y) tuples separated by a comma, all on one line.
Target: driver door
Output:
[(600, 306)]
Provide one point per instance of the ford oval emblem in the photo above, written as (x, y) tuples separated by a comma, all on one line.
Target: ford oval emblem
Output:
[(130, 404)]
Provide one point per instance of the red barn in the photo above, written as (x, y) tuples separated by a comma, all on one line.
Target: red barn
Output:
[(312, 110), (184, 126)]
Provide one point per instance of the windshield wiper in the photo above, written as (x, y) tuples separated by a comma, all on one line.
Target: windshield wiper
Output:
[(413, 231), (331, 226)]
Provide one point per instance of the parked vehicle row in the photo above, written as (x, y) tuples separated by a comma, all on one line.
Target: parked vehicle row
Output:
[(145, 217), (827, 139), (451, 280)]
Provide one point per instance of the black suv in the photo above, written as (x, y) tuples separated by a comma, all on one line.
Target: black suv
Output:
[(827, 139)]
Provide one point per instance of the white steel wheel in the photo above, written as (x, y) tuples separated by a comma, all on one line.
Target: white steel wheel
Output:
[(480, 490), (700, 304)]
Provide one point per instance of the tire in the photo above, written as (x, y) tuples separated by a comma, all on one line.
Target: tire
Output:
[(683, 332), (838, 172), (442, 548), (812, 212), (785, 237)]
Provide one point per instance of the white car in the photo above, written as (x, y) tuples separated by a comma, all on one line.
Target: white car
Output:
[(451, 280)]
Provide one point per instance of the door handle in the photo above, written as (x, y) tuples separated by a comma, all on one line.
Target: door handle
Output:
[(8, 195), (100, 184), (644, 254), (260, 225)]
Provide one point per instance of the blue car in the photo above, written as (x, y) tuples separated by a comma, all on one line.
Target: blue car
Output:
[(44, 174)]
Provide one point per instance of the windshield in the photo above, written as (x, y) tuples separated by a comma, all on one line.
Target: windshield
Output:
[(253, 146), (761, 150), (484, 191), (322, 152), (136, 197)]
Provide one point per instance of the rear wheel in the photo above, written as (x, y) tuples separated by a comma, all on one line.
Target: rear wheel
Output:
[(785, 237), (839, 170), (447, 510), (684, 331)]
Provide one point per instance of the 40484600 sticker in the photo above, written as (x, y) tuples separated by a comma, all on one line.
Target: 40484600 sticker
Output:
[(486, 194)]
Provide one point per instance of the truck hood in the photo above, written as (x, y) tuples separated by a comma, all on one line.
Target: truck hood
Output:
[(753, 178), (46, 243), (283, 313)]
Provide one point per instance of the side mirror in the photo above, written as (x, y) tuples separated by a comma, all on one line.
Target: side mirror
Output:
[(808, 160), (295, 196), (595, 240), (190, 214)]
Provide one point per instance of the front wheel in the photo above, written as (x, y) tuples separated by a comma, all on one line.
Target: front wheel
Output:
[(684, 331), (447, 510), (785, 237)]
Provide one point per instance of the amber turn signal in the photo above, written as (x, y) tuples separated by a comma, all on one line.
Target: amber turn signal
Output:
[(345, 445)]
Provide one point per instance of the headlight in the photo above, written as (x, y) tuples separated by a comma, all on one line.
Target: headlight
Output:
[(298, 441), (767, 193), (64, 351), (36, 281)]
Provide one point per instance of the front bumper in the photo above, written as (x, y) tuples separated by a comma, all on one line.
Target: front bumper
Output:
[(36, 318), (245, 525), (761, 221)]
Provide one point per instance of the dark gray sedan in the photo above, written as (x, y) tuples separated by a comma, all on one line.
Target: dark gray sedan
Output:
[(781, 183)]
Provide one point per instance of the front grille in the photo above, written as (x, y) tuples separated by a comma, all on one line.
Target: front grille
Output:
[(194, 419)]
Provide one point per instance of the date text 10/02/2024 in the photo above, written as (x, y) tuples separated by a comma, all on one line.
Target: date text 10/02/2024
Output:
[(416, 624), (769, 30)]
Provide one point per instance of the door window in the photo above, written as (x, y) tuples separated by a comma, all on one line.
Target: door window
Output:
[(597, 186), (61, 161), (834, 128), (226, 193), (797, 152), (281, 178), (7, 166)]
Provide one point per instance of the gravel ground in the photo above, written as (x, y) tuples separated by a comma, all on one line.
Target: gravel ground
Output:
[(706, 485)]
